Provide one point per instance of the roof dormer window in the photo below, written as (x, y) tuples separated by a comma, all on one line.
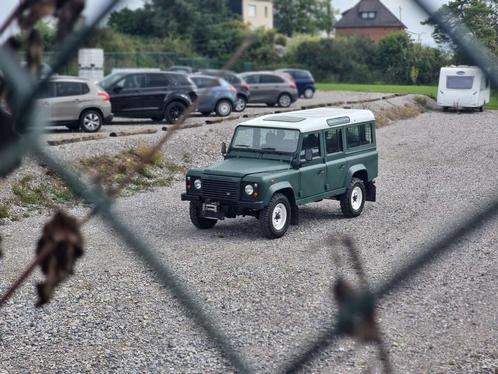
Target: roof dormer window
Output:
[(368, 15)]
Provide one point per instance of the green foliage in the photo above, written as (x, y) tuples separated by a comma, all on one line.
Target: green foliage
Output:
[(394, 57), (480, 16), (303, 16)]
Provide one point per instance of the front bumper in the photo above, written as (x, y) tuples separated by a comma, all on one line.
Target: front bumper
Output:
[(238, 206)]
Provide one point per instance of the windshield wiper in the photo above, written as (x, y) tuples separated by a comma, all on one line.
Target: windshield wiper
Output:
[(241, 145), (268, 149)]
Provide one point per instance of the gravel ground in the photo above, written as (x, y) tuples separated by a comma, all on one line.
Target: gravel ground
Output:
[(272, 296)]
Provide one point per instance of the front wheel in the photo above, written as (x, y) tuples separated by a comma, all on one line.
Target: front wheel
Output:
[(91, 121), (223, 108), (174, 112), (353, 201), (284, 100), (274, 220), (199, 221)]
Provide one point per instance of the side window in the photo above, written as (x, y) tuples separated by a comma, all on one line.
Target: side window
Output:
[(68, 89), (311, 141), (157, 80), (359, 135), (333, 141), (84, 88), (132, 81), (271, 79), (49, 92), (252, 79)]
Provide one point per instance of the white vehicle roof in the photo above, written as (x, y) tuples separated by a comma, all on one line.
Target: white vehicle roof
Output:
[(312, 119), (461, 68)]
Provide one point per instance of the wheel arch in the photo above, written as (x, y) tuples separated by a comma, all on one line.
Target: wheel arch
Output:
[(97, 109), (284, 188), (358, 171)]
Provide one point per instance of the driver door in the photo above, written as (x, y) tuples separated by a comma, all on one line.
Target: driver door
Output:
[(127, 95), (312, 172)]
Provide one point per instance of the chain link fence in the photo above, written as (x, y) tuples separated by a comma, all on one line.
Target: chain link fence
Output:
[(21, 135)]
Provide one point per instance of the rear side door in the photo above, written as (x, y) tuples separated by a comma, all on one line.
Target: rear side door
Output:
[(271, 86), (335, 159), (126, 95), (255, 88), (68, 100), (312, 173), (46, 100), (157, 88)]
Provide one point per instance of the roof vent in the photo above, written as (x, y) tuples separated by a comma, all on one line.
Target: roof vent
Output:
[(289, 119)]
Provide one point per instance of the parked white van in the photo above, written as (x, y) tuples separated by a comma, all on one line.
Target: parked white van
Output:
[(463, 87)]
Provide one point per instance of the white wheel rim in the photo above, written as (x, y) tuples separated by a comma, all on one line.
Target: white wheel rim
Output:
[(240, 105), (224, 109), (308, 93), (279, 217), (285, 101), (356, 198), (91, 121)]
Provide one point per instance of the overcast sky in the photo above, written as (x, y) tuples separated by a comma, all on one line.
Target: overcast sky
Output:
[(411, 15)]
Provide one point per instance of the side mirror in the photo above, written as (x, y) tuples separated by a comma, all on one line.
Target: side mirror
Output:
[(295, 163), (308, 154), (223, 148)]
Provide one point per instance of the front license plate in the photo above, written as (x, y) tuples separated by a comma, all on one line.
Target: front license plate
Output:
[(213, 208)]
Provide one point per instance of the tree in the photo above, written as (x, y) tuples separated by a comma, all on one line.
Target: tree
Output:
[(394, 57), (303, 16), (480, 16)]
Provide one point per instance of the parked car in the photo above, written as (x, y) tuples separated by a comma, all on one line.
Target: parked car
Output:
[(304, 81), (270, 88), (155, 95), (243, 93), (76, 103), (181, 69), (215, 95), (463, 87), (277, 163)]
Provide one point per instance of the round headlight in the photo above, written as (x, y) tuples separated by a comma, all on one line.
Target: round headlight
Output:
[(197, 184), (249, 189)]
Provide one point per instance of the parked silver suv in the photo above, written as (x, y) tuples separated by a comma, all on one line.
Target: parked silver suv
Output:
[(76, 103), (270, 88)]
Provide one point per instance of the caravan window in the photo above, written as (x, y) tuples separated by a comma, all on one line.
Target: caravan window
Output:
[(459, 83)]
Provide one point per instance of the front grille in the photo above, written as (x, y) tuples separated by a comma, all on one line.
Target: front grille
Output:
[(220, 190)]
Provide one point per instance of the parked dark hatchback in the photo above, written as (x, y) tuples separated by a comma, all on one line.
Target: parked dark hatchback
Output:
[(304, 81), (155, 95), (243, 93)]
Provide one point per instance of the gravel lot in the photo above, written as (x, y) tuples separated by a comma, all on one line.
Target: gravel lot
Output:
[(272, 296)]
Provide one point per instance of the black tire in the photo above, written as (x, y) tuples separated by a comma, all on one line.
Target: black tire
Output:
[(240, 104), (174, 112), (198, 221), (91, 121), (308, 93), (206, 114), (268, 217), (349, 199), (223, 108), (284, 100)]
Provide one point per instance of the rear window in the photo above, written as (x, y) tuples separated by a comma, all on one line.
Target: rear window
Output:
[(71, 88), (158, 80), (456, 82), (300, 74), (271, 79), (202, 82)]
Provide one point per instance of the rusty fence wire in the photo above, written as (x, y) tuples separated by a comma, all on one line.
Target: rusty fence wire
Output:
[(357, 304)]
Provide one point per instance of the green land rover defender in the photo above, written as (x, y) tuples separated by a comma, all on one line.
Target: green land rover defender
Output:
[(276, 163)]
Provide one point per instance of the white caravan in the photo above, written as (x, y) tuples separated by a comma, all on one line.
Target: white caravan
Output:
[(463, 87)]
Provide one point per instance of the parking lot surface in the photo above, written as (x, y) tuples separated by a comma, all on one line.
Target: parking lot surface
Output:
[(270, 297)]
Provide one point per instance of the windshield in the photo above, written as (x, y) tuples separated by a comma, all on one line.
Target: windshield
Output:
[(265, 139), (110, 80)]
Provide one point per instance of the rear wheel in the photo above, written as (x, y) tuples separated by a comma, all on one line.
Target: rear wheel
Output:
[(199, 221), (284, 100), (240, 104), (91, 121), (308, 93), (174, 112), (274, 220), (223, 108), (353, 201)]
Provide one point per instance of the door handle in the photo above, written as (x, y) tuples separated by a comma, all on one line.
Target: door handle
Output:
[(321, 172), (341, 166)]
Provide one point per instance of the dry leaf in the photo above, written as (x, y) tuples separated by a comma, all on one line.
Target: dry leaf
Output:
[(63, 242)]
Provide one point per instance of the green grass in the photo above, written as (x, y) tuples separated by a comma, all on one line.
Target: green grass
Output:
[(390, 88)]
